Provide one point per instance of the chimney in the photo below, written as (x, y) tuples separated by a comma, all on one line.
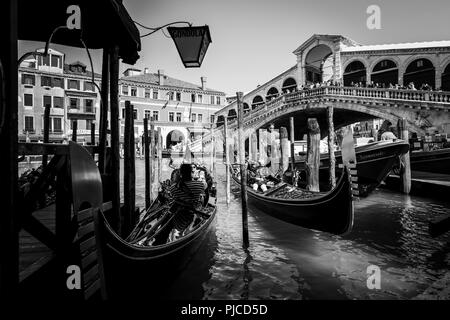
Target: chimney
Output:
[(161, 77), (203, 79), (145, 70)]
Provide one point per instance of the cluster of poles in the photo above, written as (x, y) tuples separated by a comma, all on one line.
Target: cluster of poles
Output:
[(283, 151)]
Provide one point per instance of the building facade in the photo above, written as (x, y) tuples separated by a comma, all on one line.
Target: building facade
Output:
[(183, 111), (66, 88)]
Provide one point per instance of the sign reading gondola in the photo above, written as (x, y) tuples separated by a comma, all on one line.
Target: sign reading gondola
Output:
[(192, 44)]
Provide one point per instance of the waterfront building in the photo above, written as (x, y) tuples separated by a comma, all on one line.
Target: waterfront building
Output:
[(67, 88), (184, 111)]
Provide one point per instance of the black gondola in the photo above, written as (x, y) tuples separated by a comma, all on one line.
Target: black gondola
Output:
[(324, 211), (130, 266)]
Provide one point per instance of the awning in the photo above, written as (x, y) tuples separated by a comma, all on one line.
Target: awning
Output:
[(103, 22)]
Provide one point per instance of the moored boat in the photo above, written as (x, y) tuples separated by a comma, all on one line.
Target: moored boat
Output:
[(374, 162), (330, 211), (436, 161)]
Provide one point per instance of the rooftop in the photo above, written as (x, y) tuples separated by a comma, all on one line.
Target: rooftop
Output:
[(152, 78), (398, 46)]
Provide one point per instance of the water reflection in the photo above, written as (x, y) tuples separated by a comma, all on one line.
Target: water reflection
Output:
[(288, 262)]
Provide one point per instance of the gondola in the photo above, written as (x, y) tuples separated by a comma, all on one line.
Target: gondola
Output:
[(374, 162), (330, 212), (132, 264)]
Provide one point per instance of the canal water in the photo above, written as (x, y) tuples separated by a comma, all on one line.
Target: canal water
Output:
[(288, 262)]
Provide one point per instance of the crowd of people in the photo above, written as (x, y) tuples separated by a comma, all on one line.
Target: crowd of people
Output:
[(370, 84)]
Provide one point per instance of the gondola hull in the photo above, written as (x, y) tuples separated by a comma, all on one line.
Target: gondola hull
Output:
[(330, 212), (436, 161), (132, 269)]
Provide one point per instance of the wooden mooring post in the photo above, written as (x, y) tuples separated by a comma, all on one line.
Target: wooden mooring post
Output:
[(46, 132), (159, 154), (129, 177), (115, 157), (152, 157), (285, 150), (292, 137), (331, 156), (103, 127), (253, 143), (74, 130), (9, 237), (212, 151), (243, 168), (405, 174), (147, 164), (227, 159), (313, 155)]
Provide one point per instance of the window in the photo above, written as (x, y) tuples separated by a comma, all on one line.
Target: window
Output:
[(125, 90), (217, 100), (135, 114), (58, 82), (88, 86), (193, 117), (56, 61), (200, 98), (74, 103), (212, 99), (74, 84), (45, 60), (156, 115), (178, 96), (155, 94), (170, 95), (29, 124), (58, 102), (200, 117), (122, 130), (72, 124), (211, 118), (47, 101), (28, 79), (178, 116), (57, 125), (46, 81), (147, 93), (88, 124), (123, 113), (147, 114), (28, 100), (419, 63), (193, 97), (89, 105), (171, 116), (133, 92)]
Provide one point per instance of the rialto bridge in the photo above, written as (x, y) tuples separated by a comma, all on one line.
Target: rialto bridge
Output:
[(382, 73)]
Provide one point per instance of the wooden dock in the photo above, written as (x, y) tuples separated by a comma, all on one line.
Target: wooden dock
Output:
[(32, 252)]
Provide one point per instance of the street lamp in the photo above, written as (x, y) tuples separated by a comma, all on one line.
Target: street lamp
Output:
[(192, 44)]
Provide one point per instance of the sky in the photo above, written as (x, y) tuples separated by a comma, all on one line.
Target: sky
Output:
[(253, 40)]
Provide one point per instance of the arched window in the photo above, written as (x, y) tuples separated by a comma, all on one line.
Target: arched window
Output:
[(246, 108), (232, 114), (446, 79), (220, 120), (319, 64), (420, 72), (385, 72), (257, 101), (354, 73), (272, 94), (289, 85)]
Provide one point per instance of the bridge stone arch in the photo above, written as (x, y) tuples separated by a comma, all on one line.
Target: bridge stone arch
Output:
[(393, 79), (358, 112), (432, 80), (323, 50), (272, 93), (288, 84)]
